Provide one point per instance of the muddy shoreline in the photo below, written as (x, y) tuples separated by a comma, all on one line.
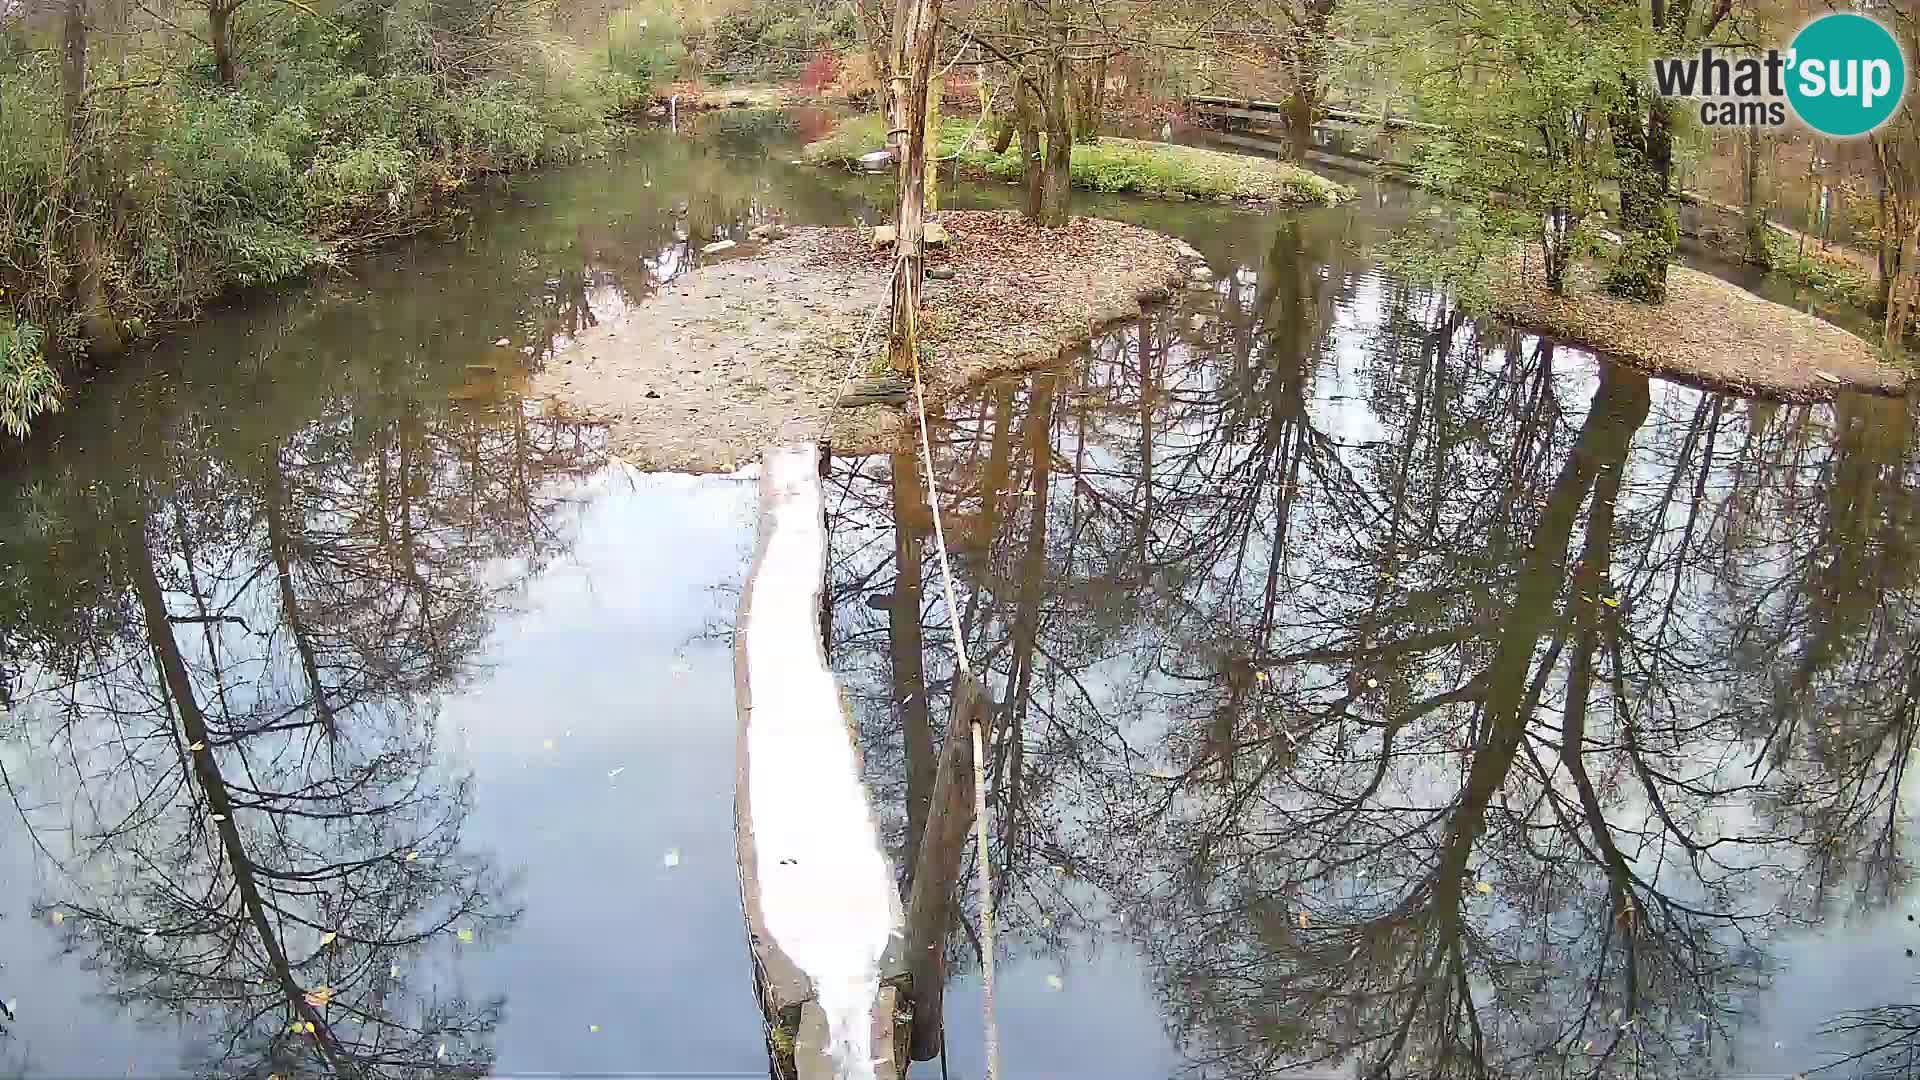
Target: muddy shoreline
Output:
[(704, 374)]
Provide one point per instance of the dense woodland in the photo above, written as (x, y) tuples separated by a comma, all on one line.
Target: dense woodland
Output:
[(156, 154)]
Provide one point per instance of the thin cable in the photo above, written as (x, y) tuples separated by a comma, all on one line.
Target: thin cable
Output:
[(985, 876)]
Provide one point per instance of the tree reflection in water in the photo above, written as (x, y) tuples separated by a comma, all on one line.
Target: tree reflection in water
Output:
[(1409, 691), (226, 747)]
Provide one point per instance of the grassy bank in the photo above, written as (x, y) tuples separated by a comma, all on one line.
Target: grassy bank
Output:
[(1827, 273), (1115, 165), (326, 141)]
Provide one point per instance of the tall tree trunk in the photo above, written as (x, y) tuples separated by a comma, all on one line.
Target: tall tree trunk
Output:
[(1643, 145), (220, 35), (1759, 250), (1056, 185), (83, 169), (1310, 61), (916, 25)]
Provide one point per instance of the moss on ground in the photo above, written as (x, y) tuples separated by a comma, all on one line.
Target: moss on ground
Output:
[(1113, 165)]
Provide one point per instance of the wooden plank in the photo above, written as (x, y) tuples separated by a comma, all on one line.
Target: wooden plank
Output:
[(823, 915), (936, 873)]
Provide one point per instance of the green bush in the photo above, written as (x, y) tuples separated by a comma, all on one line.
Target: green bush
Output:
[(341, 129), (28, 386)]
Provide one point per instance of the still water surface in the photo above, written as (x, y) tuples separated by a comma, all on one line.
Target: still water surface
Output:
[(1376, 685)]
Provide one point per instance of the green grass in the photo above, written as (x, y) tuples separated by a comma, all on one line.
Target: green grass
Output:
[(1114, 165), (1828, 275)]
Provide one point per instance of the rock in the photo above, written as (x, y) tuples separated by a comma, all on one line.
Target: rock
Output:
[(876, 392), (718, 246), (481, 369), (937, 235), (1200, 273), (1200, 286), (941, 273), (653, 394), (657, 111), (769, 231), (877, 161), (502, 343), (882, 235)]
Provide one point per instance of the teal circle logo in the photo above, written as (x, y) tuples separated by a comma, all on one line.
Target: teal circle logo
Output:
[(1846, 74)]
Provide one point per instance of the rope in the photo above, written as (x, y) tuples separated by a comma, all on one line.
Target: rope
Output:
[(985, 877)]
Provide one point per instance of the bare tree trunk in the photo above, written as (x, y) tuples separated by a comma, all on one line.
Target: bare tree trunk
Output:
[(915, 33), (1056, 186), (83, 181), (220, 35)]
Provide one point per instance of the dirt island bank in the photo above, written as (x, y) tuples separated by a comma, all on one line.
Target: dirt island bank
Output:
[(1708, 332), (705, 374)]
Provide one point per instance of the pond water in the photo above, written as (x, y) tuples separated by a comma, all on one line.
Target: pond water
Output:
[(1375, 684)]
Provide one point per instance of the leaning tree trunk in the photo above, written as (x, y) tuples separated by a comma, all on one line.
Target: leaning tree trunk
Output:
[(82, 169), (1643, 144)]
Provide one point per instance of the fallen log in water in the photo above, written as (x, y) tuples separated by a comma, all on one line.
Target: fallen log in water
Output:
[(822, 909)]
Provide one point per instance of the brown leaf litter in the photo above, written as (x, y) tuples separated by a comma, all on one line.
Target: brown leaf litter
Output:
[(1708, 332), (708, 371)]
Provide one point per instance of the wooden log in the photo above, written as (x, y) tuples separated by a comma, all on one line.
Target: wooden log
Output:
[(823, 915), (936, 872)]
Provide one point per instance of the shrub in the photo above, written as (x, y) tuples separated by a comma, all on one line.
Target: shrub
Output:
[(28, 386)]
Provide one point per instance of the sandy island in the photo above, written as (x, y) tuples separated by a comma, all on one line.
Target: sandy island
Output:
[(707, 372), (1708, 332)]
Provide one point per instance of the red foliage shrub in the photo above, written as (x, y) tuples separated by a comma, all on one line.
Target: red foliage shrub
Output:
[(821, 72)]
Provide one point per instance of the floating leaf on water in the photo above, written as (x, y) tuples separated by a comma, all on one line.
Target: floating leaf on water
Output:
[(616, 772), (1483, 888), (671, 858), (319, 996), (548, 744), (393, 972), (219, 817), (197, 747), (309, 1027), (464, 934), (1610, 601), (1614, 1017), (413, 856), (1433, 676), (13, 1008), (328, 937), (1303, 920), (1589, 1047), (595, 1028), (1055, 982), (442, 1052), (1373, 684), (1261, 675)]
